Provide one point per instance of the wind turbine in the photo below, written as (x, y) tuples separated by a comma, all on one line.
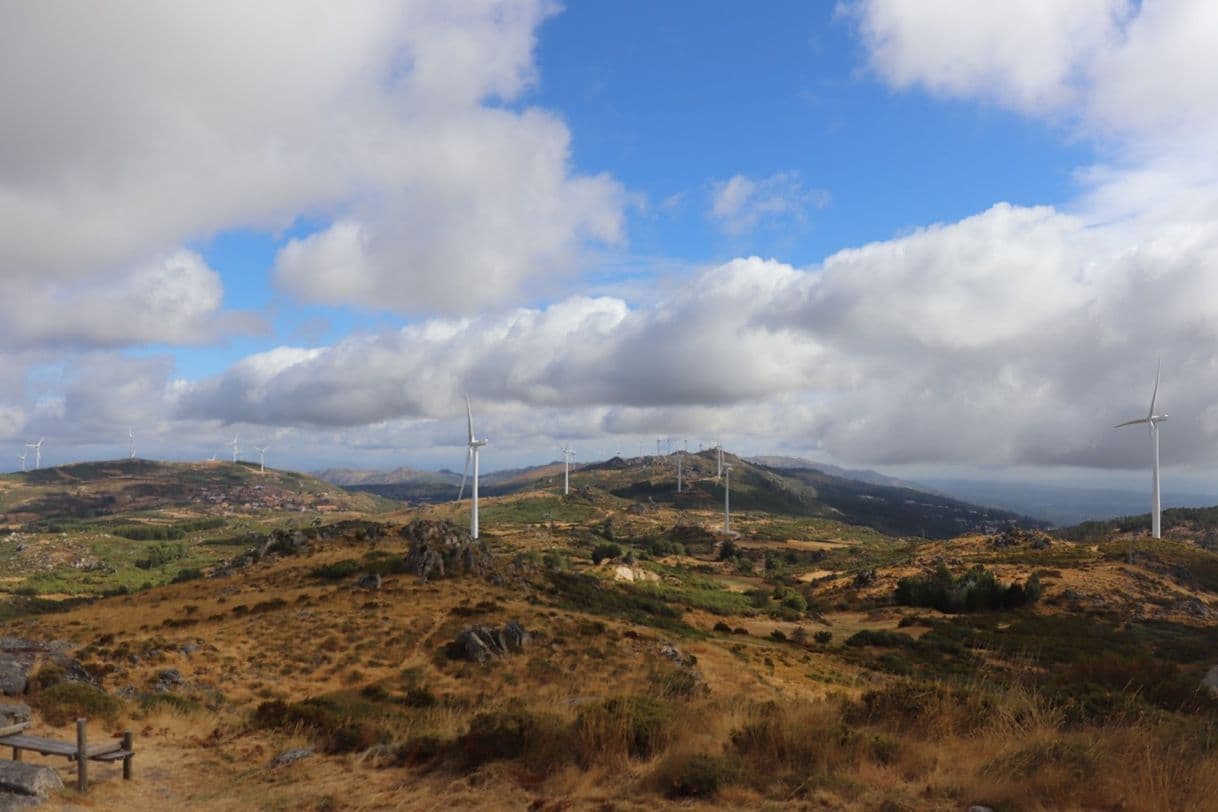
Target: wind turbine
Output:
[(567, 453), (234, 445), (471, 452), (1152, 420), (37, 452), (262, 459), (21, 459), (727, 499), (131, 438)]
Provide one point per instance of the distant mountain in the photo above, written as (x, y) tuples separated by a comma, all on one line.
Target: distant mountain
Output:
[(858, 475), (1064, 505), (351, 476)]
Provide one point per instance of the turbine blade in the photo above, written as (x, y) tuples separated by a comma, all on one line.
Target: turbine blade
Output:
[(1155, 394), (469, 416), (1132, 422), (469, 452)]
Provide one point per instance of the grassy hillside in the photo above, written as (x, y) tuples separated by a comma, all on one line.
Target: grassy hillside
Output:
[(805, 662)]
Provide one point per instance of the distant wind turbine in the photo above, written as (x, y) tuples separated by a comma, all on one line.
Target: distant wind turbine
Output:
[(234, 445), (471, 452), (727, 499), (37, 452), (131, 439), (262, 459), (567, 453), (1152, 420), (21, 459)]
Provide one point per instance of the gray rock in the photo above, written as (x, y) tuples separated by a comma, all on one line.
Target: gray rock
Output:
[(1211, 679), (291, 756), (167, 679), (481, 643), (14, 712), (16, 803), (34, 780), (444, 550), (189, 648), (370, 581), (980, 808), (515, 637)]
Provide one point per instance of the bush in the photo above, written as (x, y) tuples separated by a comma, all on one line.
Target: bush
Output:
[(634, 726), (720, 626), (335, 728), (66, 701), (420, 698), (700, 776), (338, 570), (728, 550), (161, 554), (602, 552), (974, 591), (879, 637), (823, 637), (187, 574), (541, 740)]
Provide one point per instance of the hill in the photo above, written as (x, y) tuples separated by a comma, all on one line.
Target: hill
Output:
[(795, 492), (805, 662), (858, 475)]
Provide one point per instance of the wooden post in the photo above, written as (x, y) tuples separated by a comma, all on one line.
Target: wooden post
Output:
[(82, 757), (16, 754), (127, 748)]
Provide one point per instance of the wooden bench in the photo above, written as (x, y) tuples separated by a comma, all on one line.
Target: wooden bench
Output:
[(81, 752)]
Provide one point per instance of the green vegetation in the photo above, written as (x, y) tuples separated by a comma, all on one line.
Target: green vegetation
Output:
[(977, 590)]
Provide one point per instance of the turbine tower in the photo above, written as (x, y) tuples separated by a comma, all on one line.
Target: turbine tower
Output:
[(37, 452), (234, 445), (727, 499), (262, 459), (1152, 420), (567, 453), (131, 439), (21, 459), (471, 452)]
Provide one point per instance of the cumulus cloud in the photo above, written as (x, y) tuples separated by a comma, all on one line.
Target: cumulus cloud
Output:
[(130, 130), (740, 203), (173, 299)]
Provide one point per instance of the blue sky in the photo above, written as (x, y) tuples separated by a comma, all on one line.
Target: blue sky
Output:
[(931, 239)]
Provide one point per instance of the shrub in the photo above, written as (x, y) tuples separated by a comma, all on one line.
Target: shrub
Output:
[(976, 590), (62, 703), (823, 637), (334, 727), (602, 552), (540, 740), (338, 570), (160, 555), (700, 776), (777, 634), (879, 637), (187, 574), (634, 726), (420, 698), (728, 550), (720, 626)]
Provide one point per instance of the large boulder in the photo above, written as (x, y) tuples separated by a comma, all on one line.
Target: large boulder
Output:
[(29, 780), (20, 658), (444, 550), (480, 643)]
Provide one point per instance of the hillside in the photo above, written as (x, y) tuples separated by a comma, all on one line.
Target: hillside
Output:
[(791, 492), (807, 663)]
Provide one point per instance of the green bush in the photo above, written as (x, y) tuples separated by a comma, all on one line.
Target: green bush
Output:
[(603, 552), (338, 570), (66, 701), (161, 554), (701, 776), (977, 590), (879, 637), (187, 574), (635, 726)]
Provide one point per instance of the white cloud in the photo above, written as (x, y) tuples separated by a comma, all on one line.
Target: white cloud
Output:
[(132, 129), (741, 204)]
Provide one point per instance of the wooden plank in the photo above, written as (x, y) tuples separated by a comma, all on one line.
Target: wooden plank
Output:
[(101, 748), (48, 747), (9, 730), (114, 755)]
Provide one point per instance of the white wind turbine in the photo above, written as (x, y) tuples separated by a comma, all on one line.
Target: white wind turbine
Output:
[(37, 452), (727, 499), (131, 440), (262, 459), (234, 445), (1152, 420), (567, 453), (21, 459), (471, 452)]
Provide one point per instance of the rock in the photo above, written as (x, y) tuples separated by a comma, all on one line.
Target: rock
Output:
[(480, 643), (370, 581), (19, 658), (980, 808), (864, 578), (514, 636), (167, 679), (1194, 608), (443, 550), (676, 655), (13, 712), (287, 757), (32, 780), (189, 648)]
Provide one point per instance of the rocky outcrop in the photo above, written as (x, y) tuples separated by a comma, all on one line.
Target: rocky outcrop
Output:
[(23, 785), (444, 550), (20, 658), (480, 643)]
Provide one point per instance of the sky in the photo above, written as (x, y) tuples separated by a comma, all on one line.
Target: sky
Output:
[(934, 237)]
